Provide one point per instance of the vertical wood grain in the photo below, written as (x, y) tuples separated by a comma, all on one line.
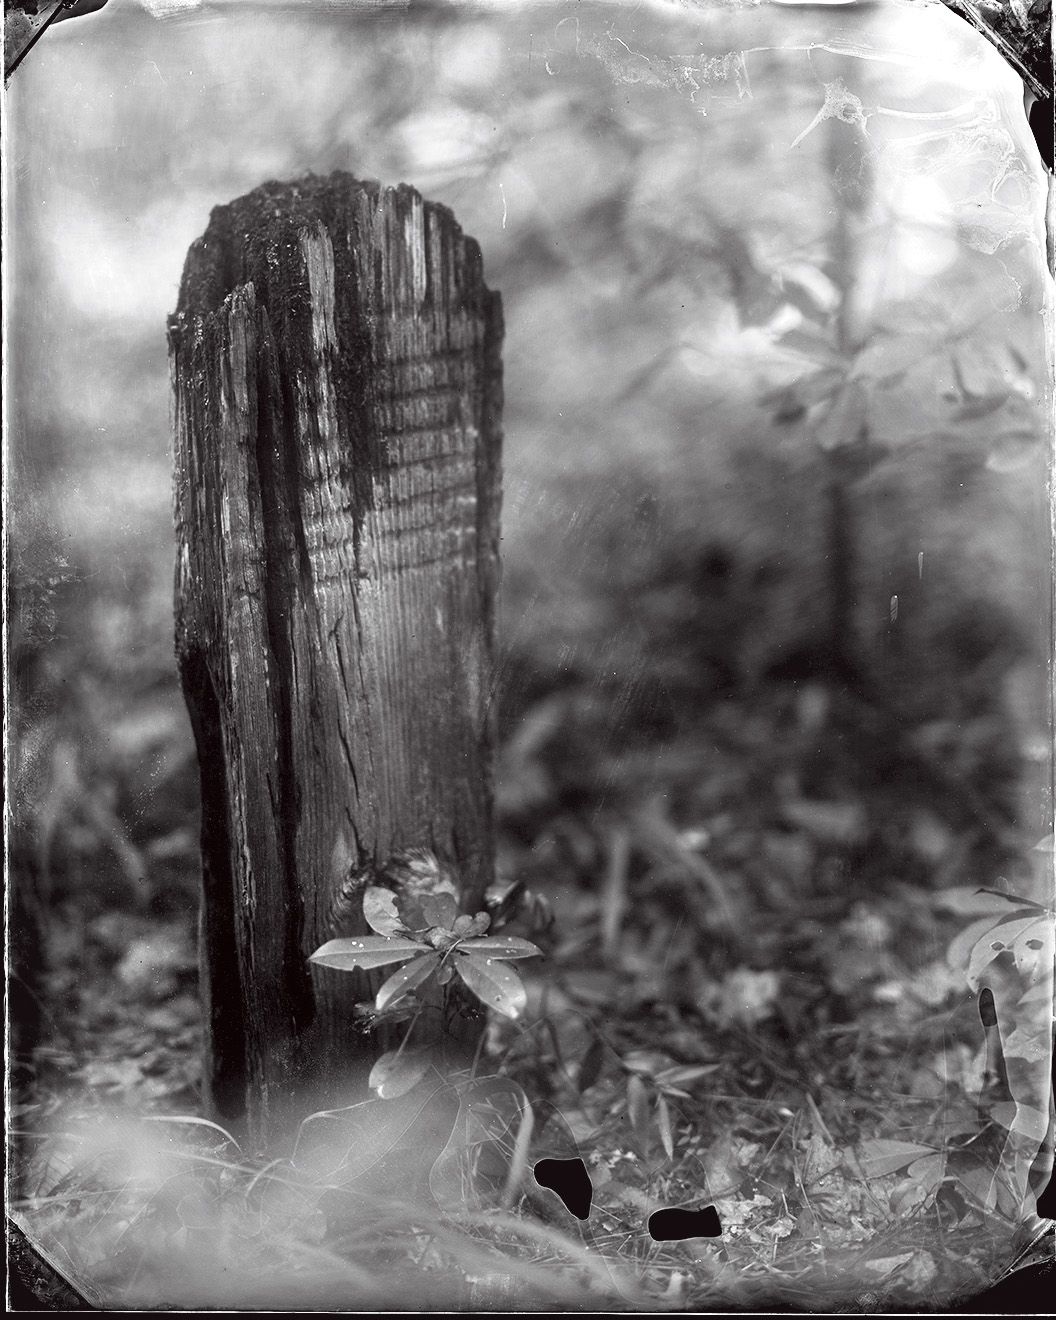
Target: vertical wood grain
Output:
[(337, 386)]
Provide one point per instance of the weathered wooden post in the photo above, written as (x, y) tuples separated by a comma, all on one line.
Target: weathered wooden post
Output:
[(337, 377)]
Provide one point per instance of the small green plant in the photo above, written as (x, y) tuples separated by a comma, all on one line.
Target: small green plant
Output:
[(436, 943)]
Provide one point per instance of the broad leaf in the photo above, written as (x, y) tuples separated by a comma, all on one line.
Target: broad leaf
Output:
[(919, 1188), (379, 908), (503, 947), (1033, 950), (397, 1071), (439, 910), (409, 907), (405, 980), (366, 952), (960, 950), (495, 985), (1004, 938), (880, 1156), (929, 1170)]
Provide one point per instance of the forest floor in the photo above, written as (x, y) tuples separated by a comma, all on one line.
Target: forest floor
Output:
[(755, 996)]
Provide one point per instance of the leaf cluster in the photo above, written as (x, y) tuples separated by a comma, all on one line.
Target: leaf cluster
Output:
[(434, 942)]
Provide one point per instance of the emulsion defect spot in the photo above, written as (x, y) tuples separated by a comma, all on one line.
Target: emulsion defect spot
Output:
[(570, 1180), (676, 1225)]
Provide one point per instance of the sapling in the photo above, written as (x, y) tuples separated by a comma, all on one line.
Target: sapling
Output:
[(436, 942)]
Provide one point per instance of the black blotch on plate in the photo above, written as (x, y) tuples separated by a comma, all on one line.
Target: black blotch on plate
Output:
[(570, 1180), (1047, 1201), (676, 1224), (1042, 126)]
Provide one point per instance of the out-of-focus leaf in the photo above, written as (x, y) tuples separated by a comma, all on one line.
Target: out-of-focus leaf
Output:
[(1013, 447), (967, 899), (889, 358), (366, 952), (790, 401), (973, 409), (1027, 904), (405, 980), (881, 1266), (418, 871), (811, 340), (684, 1074), (811, 290), (663, 1122), (831, 822), (590, 1066), (397, 1071), (637, 1106), (519, 1160), (646, 1063), (743, 998), (379, 909), (494, 984), (845, 420)]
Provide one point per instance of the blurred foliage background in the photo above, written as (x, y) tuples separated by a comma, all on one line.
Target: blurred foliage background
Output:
[(776, 399)]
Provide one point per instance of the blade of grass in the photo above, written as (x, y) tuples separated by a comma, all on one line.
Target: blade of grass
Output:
[(519, 1162)]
